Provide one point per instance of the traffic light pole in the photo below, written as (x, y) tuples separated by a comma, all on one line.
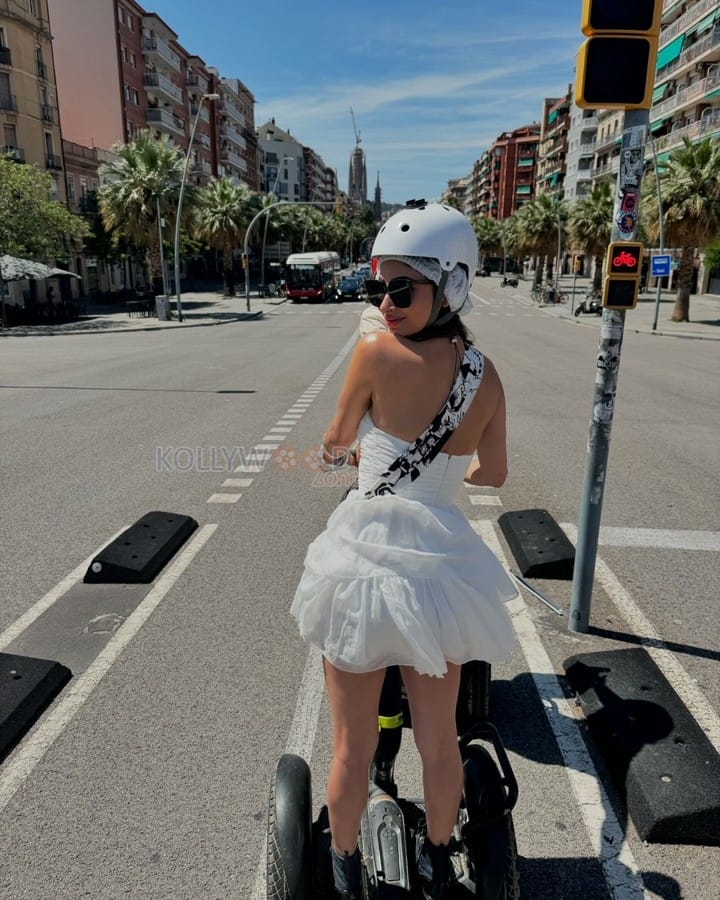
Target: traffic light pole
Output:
[(624, 227)]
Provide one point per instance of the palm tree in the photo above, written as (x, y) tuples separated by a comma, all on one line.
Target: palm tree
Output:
[(537, 230), (690, 190), (591, 226), (144, 180), (224, 212), (489, 235)]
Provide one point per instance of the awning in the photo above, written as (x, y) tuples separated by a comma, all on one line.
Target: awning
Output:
[(713, 94), (704, 23), (553, 115), (658, 92), (670, 53)]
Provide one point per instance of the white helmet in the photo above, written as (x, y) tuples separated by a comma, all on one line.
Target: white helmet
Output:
[(432, 230)]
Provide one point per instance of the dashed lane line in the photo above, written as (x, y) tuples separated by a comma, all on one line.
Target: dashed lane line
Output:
[(604, 830), (237, 482), (484, 500), (224, 498), (666, 539)]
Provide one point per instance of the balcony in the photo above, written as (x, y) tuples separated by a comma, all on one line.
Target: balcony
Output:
[(159, 50), (709, 42), (164, 120), (197, 81), (5, 56), (588, 122), (202, 167), (587, 148), (8, 102), (230, 157), (53, 162), (204, 139), (42, 70), (49, 113), (160, 84), (16, 154), (232, 112), (683, 23), (706, 125), (232, 134), (204, 112), (685, 96)]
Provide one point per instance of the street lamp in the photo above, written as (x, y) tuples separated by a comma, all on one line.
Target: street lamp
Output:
[(267, 216), (658, 287), (180, 200)]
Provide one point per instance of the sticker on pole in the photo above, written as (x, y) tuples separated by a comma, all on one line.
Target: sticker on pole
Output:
[(660, 265)]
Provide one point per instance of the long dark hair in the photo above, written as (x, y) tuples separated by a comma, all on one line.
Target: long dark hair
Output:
[(453, 327)]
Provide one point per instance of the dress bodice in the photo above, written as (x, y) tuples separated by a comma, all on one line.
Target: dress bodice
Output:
[(439, 483)]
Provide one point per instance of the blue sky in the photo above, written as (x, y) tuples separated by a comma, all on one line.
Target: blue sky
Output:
[(431, 84)]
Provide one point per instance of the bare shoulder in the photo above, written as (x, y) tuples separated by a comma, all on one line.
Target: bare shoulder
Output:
[(377, 346)]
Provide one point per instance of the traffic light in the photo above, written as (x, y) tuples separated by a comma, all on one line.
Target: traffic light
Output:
[(622, 275), (616, 65)]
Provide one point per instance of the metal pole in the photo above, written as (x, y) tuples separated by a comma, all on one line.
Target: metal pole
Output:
[(572, 302), (624, 226), (249, 229), (557, 269), (178, 302), (162, 252), (267, 218), (662, 233), (307, 220)]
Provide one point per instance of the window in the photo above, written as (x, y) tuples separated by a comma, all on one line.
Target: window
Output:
[(136, 97), (121, 15), (2, 38), (49, 148), (70, 179), (32, 7), (127, 93), (129, 21), (133, 60), (124, 53), (83, 186), (9, 136)]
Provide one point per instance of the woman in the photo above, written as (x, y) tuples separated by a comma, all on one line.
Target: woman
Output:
[(399, 577)]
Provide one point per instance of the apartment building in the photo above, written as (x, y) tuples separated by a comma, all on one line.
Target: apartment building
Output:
[(134, 74), (457, 191), (579, 161), (553, 146), (503, 178), (686, 99), (282, 162), (29, 123)]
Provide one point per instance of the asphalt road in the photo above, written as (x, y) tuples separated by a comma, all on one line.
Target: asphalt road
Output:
[(153, 781)]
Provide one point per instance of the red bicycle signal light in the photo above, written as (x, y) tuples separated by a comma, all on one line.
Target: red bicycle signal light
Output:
[(624, 258)]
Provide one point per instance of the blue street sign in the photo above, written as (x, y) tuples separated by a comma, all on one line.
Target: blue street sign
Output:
[(660, 265)]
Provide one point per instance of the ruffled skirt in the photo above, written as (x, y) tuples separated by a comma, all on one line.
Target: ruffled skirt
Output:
[(392, 581)]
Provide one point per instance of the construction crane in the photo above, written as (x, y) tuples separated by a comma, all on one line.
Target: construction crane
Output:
[(355, 128)]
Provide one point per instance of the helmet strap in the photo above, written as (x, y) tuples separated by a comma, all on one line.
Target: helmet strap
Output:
[(437, 302)]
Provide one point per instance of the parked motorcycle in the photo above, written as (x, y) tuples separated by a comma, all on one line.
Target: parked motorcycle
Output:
[(590, 304), (509, 281)]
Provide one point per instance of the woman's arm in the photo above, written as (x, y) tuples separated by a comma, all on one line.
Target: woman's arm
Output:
[(354, 399), (490, 467)]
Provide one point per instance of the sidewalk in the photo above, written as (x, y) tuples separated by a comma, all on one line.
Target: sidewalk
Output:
[(704, 321), (199, 309)]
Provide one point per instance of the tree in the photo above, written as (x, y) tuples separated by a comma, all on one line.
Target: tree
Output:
[(223, 214), (489, 233), (591, 225), (31, 223), (146, 176), (690, 191), (537, 230), (453, 201)]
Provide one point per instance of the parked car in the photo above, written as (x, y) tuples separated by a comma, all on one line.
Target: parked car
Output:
[(350, 288)]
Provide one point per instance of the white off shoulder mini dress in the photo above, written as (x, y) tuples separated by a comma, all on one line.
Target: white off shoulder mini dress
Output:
[(399, 576)]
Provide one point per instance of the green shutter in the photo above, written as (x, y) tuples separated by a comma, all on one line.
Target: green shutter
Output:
[(553, 115), (670, 53), (713, 94), (704, 23), (657, 93), (523, 189), (525, 161)]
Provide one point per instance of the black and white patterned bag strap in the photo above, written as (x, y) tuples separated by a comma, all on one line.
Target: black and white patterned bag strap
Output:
[(426, 447)]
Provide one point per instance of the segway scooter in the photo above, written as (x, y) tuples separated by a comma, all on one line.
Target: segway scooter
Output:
[(482, 850)]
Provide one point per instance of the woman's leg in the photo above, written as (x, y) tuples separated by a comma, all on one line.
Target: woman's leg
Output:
[(432, 707), (353, 703)]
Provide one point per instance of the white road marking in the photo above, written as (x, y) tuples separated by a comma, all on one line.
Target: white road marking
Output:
[(604, 830), (276, 440), (681, 682), (281, 429), (485, 500), (237, 482), (289, 416), (251, 467), (21, 763), (479, 299), (224, 498), (271, 447), (53, 595), (658, 537)]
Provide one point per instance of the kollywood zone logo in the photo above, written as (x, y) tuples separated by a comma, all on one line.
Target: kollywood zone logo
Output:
[(224, 460)]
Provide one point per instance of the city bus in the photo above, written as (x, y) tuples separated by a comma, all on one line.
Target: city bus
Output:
[(310, 276)]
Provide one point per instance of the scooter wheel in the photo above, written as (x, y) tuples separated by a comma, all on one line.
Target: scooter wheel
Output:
[(578, 311), (289, 833), (490, 834)]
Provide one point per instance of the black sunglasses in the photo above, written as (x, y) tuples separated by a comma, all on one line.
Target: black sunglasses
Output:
[(400, 290)]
